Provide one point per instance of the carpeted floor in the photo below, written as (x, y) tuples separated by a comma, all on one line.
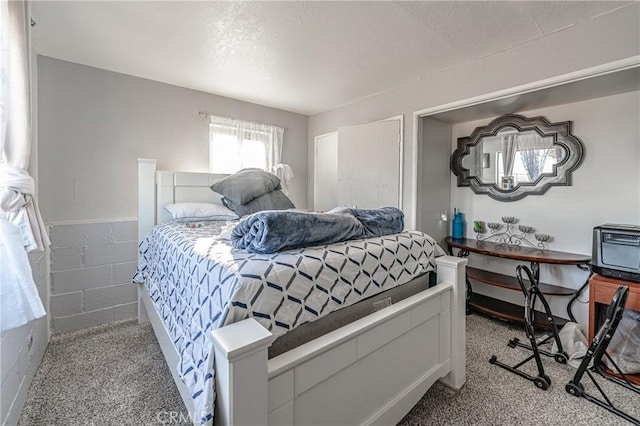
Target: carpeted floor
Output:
[(116, 375)]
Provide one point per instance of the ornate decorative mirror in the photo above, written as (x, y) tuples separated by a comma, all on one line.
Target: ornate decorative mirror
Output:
[(514, 156)]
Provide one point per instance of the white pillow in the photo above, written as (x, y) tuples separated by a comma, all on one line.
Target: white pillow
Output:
[(199, 211)]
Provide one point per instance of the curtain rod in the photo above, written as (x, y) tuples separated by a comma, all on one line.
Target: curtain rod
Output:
[(209, 115)]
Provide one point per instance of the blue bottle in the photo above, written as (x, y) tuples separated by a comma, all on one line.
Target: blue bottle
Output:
[(457, 225)]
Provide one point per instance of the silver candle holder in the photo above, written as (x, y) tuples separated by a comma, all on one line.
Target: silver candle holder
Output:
[(509, 233), (543, 239)]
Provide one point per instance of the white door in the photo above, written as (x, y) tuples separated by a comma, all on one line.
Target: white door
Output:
[(325, 194), (369, 164)]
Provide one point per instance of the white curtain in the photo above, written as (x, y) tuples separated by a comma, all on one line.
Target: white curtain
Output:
[(19, 298), (237, 144), (533, 154), (508, 153), (285, 173), (19, 213)]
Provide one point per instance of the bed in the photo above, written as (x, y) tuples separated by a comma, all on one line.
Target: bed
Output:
[(368, 371)]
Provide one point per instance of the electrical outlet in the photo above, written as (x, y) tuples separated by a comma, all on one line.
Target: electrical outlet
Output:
[(30, 343), (384, 303)]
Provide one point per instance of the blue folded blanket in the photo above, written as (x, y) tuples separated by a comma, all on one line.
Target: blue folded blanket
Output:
[(270, 231)]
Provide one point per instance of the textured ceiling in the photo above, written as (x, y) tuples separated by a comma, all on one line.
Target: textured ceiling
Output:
[(305, 57)]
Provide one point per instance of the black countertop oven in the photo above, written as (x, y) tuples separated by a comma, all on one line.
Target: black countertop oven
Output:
[(616, 251)]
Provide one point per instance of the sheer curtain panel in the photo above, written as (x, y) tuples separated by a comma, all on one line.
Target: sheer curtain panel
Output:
[(509, 145), (21, 226), (237, 144), (285, 173), (534, 156)]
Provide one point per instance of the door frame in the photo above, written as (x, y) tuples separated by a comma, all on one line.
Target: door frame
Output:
[(315, 164), (401, 157)]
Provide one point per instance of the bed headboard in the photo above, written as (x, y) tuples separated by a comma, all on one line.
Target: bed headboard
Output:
[(157, 188)]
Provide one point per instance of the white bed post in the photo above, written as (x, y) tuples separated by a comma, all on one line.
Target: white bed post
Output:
[(452, 269), (146, 213), (146, 196), (241, 373)]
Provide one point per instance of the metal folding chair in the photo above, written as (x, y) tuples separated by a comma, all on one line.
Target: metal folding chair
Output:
[(531, 294), (597, 350)]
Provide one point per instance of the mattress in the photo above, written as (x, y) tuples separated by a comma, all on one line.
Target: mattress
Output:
[(198, 282), (333, 321)]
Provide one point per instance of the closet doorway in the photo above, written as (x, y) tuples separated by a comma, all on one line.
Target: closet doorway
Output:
[(359, 166)]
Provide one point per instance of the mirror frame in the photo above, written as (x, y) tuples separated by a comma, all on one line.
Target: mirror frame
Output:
[(561, 176)]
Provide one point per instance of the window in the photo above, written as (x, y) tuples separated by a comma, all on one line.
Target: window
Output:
[(237, 144)]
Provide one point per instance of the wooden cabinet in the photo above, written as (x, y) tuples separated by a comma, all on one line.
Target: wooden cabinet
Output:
[(508, 311), (601, 290)]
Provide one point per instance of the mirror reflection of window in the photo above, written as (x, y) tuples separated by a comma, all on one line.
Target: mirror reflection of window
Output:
[(528, 165), (533, 156)]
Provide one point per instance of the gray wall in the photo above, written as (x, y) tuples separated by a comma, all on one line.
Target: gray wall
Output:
[(600, 40), (93, 125), (434, 155)]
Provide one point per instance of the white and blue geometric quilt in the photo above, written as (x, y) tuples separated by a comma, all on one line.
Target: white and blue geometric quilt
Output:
[(198, 283)]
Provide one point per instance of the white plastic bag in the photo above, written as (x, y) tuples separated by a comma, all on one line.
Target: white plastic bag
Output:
[(624, 347), (574, 342)]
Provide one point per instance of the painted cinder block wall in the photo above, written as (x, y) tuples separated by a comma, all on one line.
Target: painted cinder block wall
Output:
[(91, 269), (22, 349)]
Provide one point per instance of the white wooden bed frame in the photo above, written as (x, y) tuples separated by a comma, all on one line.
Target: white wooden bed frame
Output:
[(372, 371)]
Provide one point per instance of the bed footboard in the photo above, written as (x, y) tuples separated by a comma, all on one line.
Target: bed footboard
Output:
[(372, 371)]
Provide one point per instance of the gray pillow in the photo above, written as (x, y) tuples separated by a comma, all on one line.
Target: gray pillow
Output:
[(246, 185), (275, 200)]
